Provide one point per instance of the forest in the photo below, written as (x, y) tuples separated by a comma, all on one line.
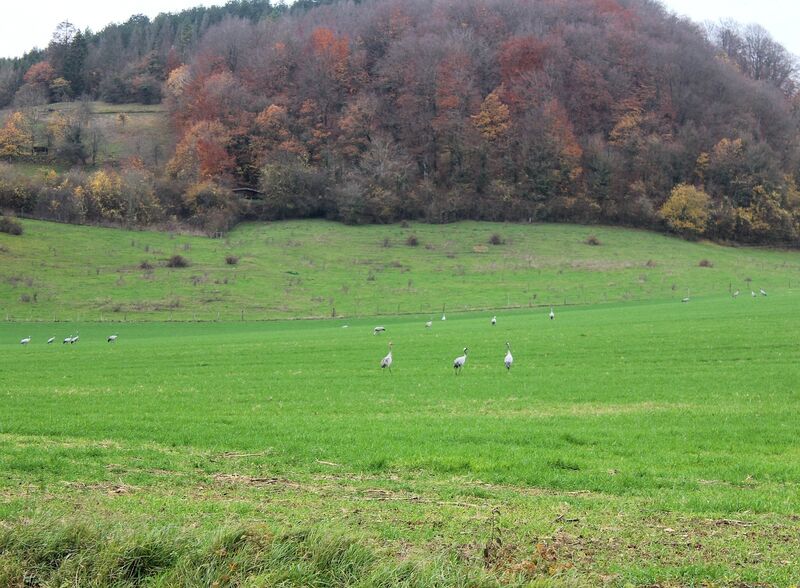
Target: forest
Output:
[(587, 111)]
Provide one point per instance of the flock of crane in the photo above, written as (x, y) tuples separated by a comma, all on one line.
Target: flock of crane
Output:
[(71, 339), (386, 362), (458, 362)]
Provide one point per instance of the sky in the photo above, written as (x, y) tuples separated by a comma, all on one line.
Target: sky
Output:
[(779, 17), (30, 23)]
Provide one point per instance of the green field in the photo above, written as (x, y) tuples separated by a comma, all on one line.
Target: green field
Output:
[(637, 440), (320, 269)]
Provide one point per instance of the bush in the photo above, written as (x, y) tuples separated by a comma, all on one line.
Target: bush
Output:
[(231, 259), (592, 240), (705, 263), (178, 261), (412, 241), (496, 239), (10, 226)]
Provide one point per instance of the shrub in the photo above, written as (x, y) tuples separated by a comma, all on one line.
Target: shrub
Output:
[(231, 259), (496, 239), (178, 261), (412, 241), (592, 240), (705, 263), (10, 226)]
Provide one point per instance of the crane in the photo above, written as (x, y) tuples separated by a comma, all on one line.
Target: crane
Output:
[(494, 320), (509, 358), (458, 362), (26, 340), (112, 338), (377, 330), (50, 340), (552, 314), (386, 362)]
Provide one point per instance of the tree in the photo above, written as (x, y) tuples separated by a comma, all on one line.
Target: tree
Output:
[(74, 61), (686, 211), (201, 153), (494, 118), (14, 137)]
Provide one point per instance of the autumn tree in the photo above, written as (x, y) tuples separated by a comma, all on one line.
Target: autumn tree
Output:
[(202, 153), (686, 211), (14, 137)]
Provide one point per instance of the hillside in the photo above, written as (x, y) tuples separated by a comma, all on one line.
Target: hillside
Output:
[(322, 269), (591, 111), (119, 132)]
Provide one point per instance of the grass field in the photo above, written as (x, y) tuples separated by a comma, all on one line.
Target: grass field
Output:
[(318, 269), (636, 440)]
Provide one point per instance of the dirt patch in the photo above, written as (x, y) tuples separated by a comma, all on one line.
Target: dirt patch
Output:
[(585, 409), (112, 489)]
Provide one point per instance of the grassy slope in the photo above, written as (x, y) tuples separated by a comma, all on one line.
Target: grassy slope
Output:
[(311, 268), (143, 132), (642, 442)]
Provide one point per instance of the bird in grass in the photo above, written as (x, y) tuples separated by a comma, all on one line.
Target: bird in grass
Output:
[(386, 362), (26, 340), (67, 339), (377, 330), (509, 358), (736, 294), (494, 320), (429, 324), (112, 338), (552, 314), (444, 318), (763, 293), (50, 340), (687, 296), (75, 339), (753, 293), (458, 362)]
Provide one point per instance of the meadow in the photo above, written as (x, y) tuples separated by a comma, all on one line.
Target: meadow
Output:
[(322, 269), (636, 440)]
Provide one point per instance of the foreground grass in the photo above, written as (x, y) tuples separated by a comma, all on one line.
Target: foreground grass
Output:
[(631, 443), (320, 269)]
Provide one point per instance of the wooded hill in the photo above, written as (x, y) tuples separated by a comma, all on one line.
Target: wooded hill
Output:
[(611, 111)]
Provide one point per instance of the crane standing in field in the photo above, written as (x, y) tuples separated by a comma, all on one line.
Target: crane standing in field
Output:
[(763, 292), (25, 341), (50, 340), (458, 362), (494, 320), (429, 324), (112, 338), (386, 362), (736, 294), (552, 314), (509, 358)]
